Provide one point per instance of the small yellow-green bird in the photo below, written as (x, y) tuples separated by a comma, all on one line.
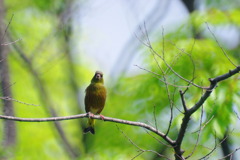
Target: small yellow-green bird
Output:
[(95, 99)]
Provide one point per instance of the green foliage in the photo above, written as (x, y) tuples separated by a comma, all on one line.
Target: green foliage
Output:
[(136, 98), (224, 5)]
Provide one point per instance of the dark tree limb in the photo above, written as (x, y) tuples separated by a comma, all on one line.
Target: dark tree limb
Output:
[(189, 112), (183, 100)]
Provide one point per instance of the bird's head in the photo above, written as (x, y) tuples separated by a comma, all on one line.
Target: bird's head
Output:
[(98, 77)]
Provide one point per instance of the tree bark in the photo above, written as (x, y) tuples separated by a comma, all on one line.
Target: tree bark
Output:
[(9, 126)]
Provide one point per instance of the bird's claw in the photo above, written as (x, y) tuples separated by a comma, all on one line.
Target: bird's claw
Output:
[(90, 114), (102, 117)]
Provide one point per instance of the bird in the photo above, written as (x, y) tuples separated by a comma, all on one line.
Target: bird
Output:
[(95, 98)]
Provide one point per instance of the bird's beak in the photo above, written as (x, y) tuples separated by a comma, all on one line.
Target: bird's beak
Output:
[(98, 76)]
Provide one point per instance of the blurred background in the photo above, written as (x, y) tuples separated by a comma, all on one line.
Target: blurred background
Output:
[(59, 44)]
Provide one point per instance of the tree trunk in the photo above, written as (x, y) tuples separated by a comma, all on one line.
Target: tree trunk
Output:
[(189, 5), (226, 147), (9, 126)]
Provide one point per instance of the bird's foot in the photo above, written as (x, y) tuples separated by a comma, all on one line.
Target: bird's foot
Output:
[(102, 117), (90, 114)]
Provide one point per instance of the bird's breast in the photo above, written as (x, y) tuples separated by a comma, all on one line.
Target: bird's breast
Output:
[(95, 98)]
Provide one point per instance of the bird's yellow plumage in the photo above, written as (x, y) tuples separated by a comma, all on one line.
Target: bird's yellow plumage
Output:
[(95, 99)]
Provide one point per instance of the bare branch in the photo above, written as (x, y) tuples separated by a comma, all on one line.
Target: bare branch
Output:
[(203, 126), (171, 101), (154, 52), (9, 43), (165, 82), (220, 45), (178, 75), (230, 154), (7, 28), (190, 57), (216, 145), (154, 115), (140, 124), (11, 99), (183, 101), (198, 135), (158, 140), (158, 75), (176, 72), (140, 149), (214, 148), (163, 43), (8, 86)]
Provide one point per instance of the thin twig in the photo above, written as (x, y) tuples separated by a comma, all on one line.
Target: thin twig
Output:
[(152, 50), (140, 28), (158, 140), (178, 75), (11, 99), (140, 149), (9, 43), (198, 135), (190, 57), (163, 43), (149, 45), (7, 28), (203, 126), (179, 110), (158, 75), (154, 116), (230, 154), (220, 45), (8, 86), (214, 148), (165, 82), (183, 101), (171, 101)]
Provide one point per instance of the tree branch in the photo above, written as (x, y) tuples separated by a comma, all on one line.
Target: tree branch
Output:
[(141, 151), (109, 119), (183, 101), (220, 45), (189, 112), (213, 85)]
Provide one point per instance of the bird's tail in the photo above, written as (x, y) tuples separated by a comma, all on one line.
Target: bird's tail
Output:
[(90, 127)]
